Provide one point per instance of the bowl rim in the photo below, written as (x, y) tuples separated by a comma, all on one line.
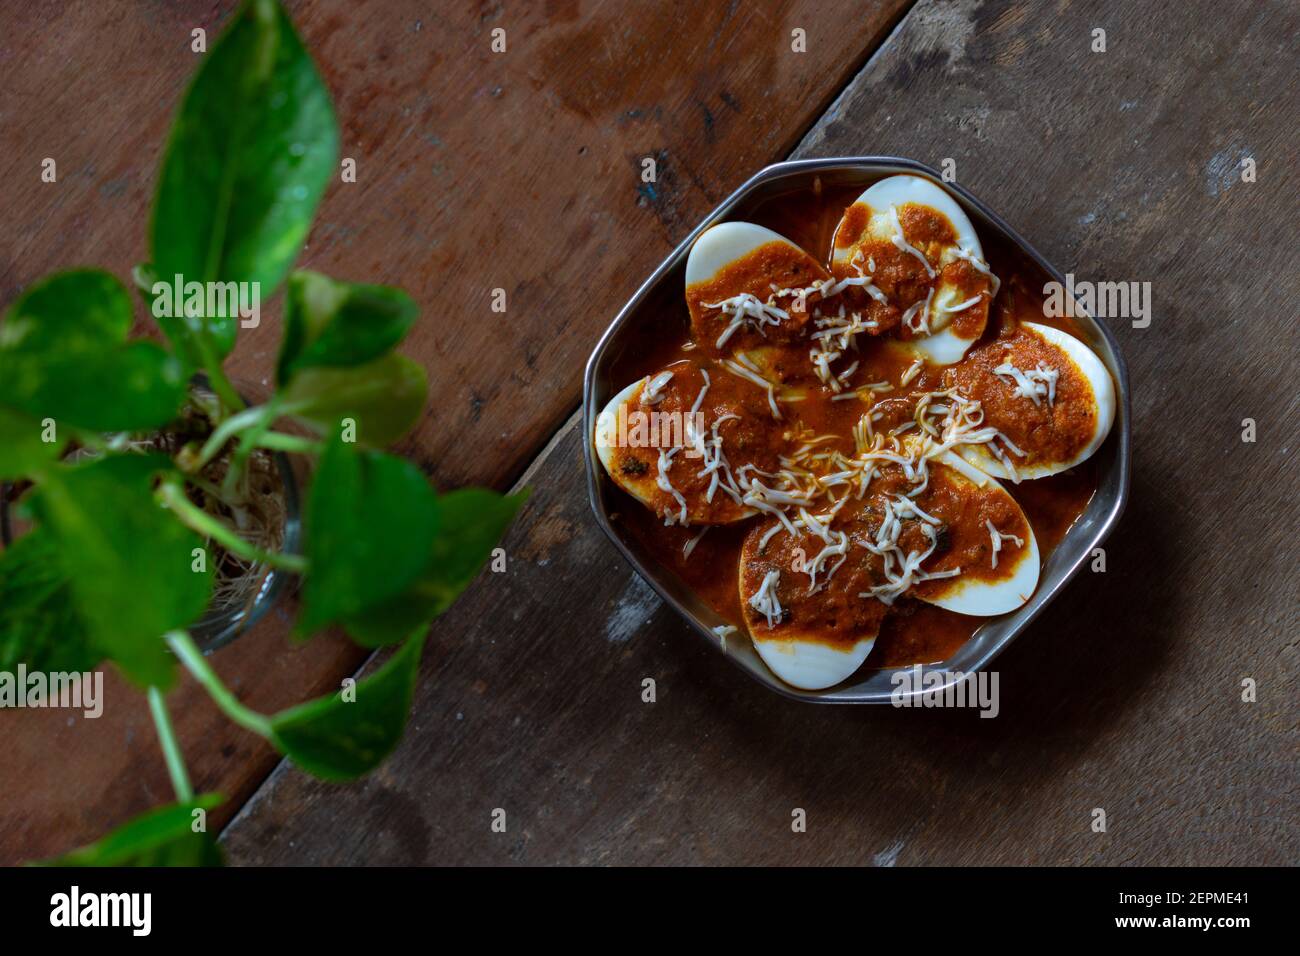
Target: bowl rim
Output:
[(1047, 590)]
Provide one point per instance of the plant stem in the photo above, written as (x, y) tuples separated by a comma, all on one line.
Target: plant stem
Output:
[(216, 375), (195, 518), (247, 442), (170, 748), (206, 486), (279, 441), (227, 430), (183, 646)]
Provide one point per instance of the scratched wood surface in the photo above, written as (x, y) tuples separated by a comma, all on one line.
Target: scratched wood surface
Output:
[(476, 171), (1125, 695)]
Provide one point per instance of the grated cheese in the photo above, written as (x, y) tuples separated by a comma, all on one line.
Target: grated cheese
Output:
[(690, 545), (664, 484), (997, 537), (653, 394), (752, 376), (1036, 384), (922, 308), (746, 309), (666, 457), (963, 424), (961, 306), (902, 570), (765, 601), (900, 242), (980, 266)]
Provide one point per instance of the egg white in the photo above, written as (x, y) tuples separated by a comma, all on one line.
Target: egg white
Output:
[(725, 243), (980, 598), (942, 346), (1098, 378), (644, 487), (809, 665), (606, 440), (801, 661)]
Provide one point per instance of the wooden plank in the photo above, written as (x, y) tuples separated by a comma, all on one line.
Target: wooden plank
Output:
[(1125, 695), (475, 170), (68, 779), (471, 167)]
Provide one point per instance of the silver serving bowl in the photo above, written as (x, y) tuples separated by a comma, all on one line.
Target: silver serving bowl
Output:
[(1064, 562)]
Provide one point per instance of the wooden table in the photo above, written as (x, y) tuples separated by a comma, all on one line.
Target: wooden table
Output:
[(521, 171)]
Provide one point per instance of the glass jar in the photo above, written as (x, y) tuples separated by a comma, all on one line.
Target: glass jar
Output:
[(219, 625)]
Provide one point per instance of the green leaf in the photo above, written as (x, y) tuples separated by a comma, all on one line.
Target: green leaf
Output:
[(250, 153), (128, 561), (73, 311), (332, 323), (384, 398), (370, 517), (23, 450), (472, 521), (338, 739), (187, 332), (162, 837), (40, 627), (131, 387), (64, 355)]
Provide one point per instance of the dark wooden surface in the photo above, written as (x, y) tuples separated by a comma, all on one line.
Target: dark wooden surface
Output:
[(475, 171), (1125, 695)]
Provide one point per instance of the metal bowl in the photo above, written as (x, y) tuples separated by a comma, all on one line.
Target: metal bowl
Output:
[(1063, 563)]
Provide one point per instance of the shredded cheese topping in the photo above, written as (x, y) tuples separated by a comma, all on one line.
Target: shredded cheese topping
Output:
[(746, 309), (1036, 384), (750, 374), (902, 569), (960, 306), (653, 394), (664, 484), (765, 601), (961, 252), (901, 243), (997, 537), (917, 316), (834, 336), (959, 420), (666, 457), (815, 470), (912, 372)]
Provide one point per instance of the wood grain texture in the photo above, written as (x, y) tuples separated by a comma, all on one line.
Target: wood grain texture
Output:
[(474, 171), (1124, 695), (67, 779)]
